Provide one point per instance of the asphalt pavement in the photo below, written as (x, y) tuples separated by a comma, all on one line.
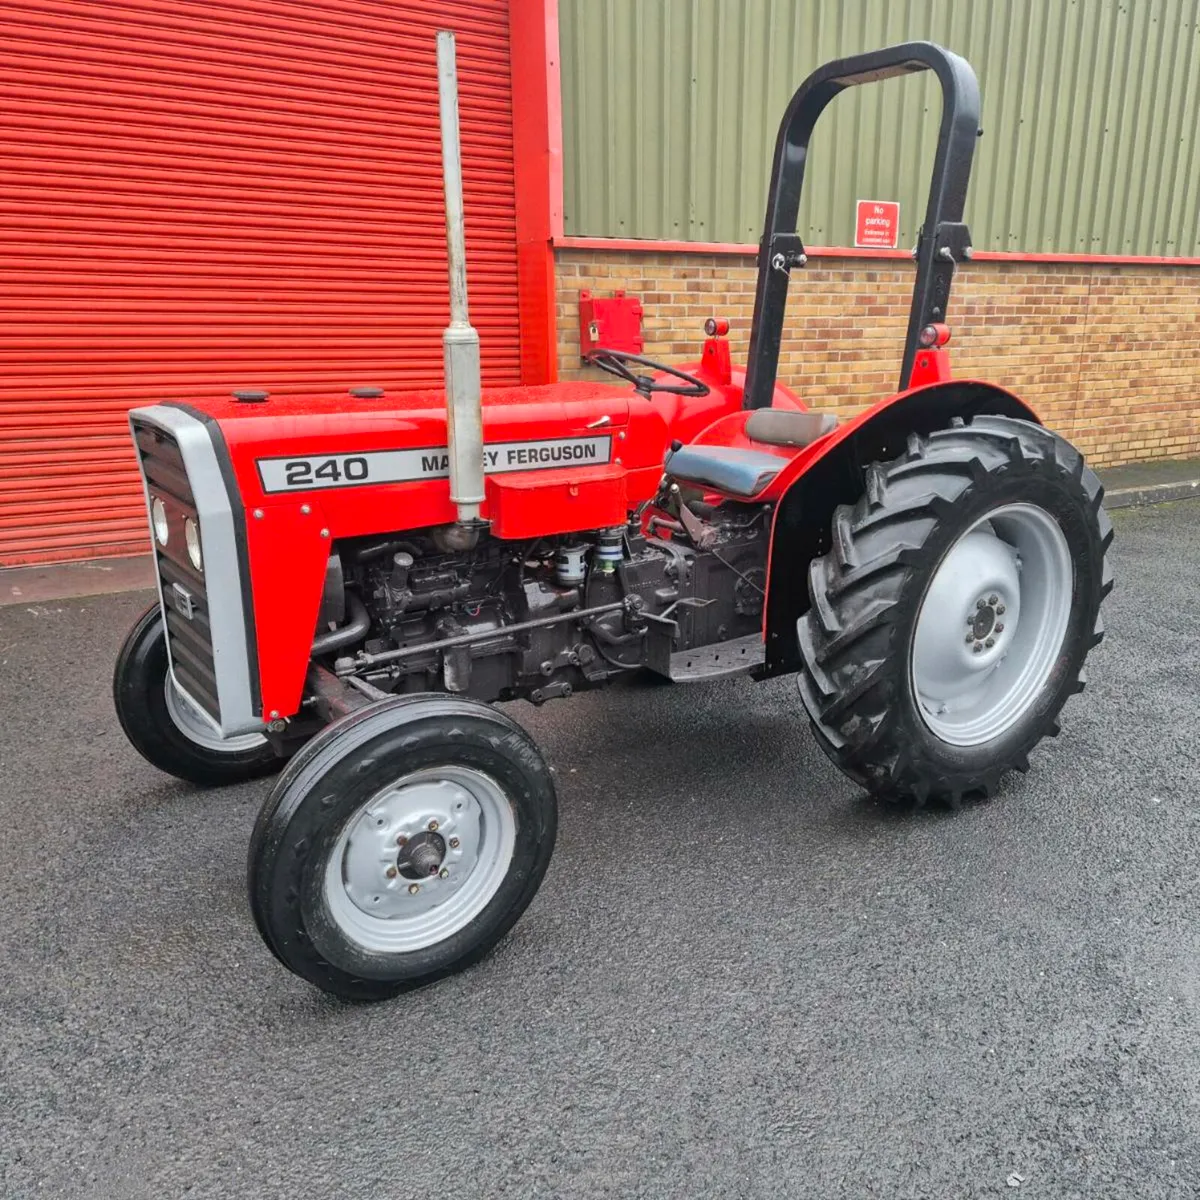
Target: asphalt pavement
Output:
[(740, 979)]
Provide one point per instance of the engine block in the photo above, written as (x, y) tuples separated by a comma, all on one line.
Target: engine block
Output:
[(539, 619)]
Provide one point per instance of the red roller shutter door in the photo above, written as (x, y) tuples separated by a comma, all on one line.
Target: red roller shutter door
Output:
[(198, 197)]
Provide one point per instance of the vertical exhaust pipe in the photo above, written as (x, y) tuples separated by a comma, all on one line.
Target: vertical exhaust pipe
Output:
[(460, 342)]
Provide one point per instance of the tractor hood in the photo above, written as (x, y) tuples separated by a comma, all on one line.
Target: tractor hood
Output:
[(314, 444), (409, 420)]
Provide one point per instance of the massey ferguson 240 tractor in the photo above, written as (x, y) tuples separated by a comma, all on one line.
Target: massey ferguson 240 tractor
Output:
[(348, 582)]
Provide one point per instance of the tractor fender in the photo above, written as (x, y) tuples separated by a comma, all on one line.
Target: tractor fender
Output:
[(830, 473)]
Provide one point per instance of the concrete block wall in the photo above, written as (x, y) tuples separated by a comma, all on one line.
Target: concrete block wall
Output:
[(1107, 355)]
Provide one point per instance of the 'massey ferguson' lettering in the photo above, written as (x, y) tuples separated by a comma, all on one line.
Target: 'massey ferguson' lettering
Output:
[(354, 469), (557, 453)]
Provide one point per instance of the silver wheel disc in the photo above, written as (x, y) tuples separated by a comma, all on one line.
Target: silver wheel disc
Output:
[(992, 624), (188, 719), (420, 860)]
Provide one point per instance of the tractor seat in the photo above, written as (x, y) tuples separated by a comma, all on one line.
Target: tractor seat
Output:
[(742, 472), (728, 469), (787, 427)]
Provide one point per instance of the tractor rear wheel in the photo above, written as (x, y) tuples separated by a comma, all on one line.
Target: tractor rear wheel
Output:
[(401, 844), (163, 725), (951, 618)]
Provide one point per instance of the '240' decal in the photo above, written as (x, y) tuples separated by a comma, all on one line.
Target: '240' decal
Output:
[(300, 472)]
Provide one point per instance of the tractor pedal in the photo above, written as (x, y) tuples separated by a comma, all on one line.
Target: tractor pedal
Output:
[(719, 660)]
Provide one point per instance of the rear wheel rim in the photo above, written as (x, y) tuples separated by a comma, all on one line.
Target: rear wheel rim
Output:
[(187, 718), (992, 624), (420, 860)]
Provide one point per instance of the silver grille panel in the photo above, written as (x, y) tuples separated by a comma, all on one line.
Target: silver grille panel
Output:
[(207, 639)]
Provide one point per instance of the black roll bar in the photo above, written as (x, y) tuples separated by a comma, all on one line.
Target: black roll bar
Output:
[(943, 238)]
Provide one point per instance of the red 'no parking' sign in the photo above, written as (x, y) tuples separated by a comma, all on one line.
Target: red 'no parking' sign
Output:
[(877, 224)]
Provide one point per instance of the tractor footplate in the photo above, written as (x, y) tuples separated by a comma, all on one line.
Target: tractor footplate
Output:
[(734, 657)]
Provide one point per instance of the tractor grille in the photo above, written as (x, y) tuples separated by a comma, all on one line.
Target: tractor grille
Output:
[(185, 602)]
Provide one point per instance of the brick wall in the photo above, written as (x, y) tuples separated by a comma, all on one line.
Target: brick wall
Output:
[(1109, 356)]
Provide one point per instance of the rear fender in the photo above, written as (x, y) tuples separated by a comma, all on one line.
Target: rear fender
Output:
[(817, 480)]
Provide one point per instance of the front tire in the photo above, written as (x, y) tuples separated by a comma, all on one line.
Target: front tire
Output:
[(952, 616), (164, 727), (401, 844)]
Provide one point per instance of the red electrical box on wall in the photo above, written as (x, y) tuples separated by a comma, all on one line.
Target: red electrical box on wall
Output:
[(613, 323)]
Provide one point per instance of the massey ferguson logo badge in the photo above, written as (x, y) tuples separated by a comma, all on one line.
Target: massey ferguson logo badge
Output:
[(405, 466), (184, 600)]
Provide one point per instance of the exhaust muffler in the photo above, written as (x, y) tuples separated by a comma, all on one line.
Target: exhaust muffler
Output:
[(460, 342)]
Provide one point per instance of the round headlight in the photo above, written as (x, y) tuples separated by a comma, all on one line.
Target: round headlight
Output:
[(158, 513), (191, 534)]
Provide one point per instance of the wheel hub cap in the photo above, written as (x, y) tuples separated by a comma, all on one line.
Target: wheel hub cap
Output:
[(983, 622), (422, 856)]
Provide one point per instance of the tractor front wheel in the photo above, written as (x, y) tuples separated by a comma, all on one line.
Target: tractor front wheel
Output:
[(164, 726), (401, 844), (952, 616)]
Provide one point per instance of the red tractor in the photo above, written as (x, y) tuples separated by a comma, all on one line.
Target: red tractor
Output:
[(348, 583)]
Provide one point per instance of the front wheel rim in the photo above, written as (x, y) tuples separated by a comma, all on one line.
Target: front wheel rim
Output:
[(992, 624), (186, 717), (420, 860)]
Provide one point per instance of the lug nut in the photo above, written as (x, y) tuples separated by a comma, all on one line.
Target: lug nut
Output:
[(413, 888), (970, 637), (990, 643), (981, 604), (444, 873), (978, 647), (999, 626), (402, 840), (433, 827), (1000, 610), (391, 872), (454, 843), (993, 599)]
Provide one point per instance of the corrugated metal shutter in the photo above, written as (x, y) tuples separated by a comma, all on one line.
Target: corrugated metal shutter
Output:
[(197, 197)]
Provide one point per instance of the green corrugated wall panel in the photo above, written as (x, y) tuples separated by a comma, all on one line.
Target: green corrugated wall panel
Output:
[(1091, 117)]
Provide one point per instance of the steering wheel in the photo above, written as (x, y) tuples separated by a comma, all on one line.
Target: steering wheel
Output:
[(613, 361)]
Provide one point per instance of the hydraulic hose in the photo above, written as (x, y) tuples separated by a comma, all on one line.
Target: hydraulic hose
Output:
[(353, 631)]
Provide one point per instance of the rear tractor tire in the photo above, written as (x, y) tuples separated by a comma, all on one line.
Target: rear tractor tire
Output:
[(950, 620), (401, 844), (163, 725)]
